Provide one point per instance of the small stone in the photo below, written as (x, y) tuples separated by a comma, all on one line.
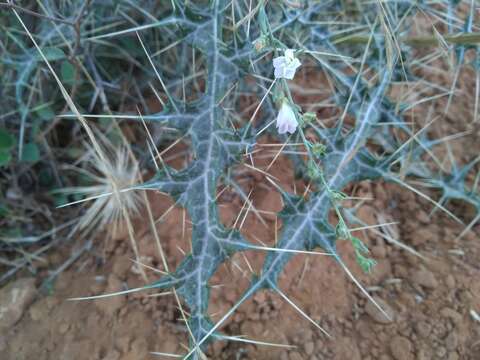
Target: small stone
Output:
[(123, 343), (272, 203), (252, 328), (453, 356), (97, 287), (379, 252), (451, 342), (52, 302), (75, 347), (218, 348), (14, 300), (401, 348), (450, 281), (309, 347), (112, 355), (140, 348), (347, 349), (38, 310), (230, 295), (423, 354), (452, 315), (169, 343), (423, 217), (3, 343), (423, 329), (295, 356), (376, 314), (423, 235), (381, 271), (400, 271), (441, 352), (63, 328), (425, 278)]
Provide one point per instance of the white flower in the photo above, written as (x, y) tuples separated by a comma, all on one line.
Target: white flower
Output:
[(285, 66), (286, 120)]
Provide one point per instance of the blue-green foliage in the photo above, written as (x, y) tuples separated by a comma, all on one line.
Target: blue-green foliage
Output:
[(229, 56), (217, 147)]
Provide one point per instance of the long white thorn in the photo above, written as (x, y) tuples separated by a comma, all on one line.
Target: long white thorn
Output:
[(362, 289), (296, 307), (256, 342)]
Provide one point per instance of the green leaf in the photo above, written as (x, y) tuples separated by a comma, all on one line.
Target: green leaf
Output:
[(46, 113), (52, 54), (74, 152), (5, 157), (46, 178), (14, 232), (3, 210), (68, 72), (6, 140), (60, 199), (30, 153)]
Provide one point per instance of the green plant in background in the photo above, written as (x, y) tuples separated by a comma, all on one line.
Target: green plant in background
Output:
[(218, 47), (7, 141)]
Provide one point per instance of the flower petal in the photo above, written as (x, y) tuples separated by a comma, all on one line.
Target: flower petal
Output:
[(288, 73), (289, 54), (295, 64), (279, 72), (279, 61), (285, 66), (286, 120)]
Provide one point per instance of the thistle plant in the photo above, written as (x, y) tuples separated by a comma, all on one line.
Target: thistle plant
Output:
[(363, 57)]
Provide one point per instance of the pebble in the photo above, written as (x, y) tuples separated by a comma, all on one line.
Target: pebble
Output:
[(452, 315), (295, 356), (441, 351), (451, 342), (272, 203), (423, 235), (122, 266), (423, 217), (309, 347), (252, 328), (423, 329), (453, 356), (112, 355), (123, 343), (379, 251), (425, 278), (401, 348), (37, 311), (63, 328), (14, 300), (376, 314), (450, 281)]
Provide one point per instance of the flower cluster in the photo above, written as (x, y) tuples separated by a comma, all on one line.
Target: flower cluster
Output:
[(285, 68)]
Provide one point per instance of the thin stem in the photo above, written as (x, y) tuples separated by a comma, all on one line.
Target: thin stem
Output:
[(417, 41)]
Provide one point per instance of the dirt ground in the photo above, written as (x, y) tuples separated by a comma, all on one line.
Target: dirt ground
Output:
[(432, 301)]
